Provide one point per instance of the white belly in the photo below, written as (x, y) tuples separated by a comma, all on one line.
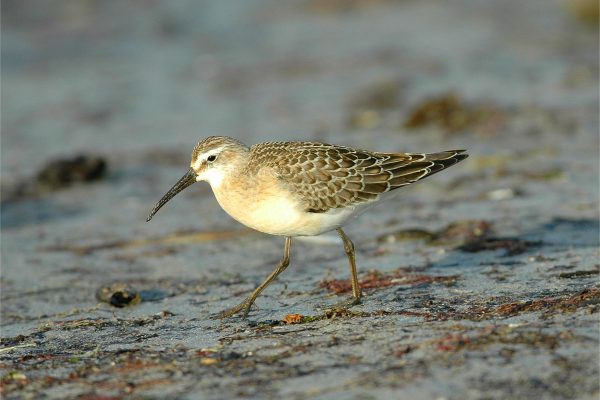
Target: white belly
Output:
[(278, 215)]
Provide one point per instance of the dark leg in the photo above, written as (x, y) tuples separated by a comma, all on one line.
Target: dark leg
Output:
[(246, 304), (356, 292)]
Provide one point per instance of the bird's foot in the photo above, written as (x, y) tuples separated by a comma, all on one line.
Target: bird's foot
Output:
[(343, 305), (243, 308)]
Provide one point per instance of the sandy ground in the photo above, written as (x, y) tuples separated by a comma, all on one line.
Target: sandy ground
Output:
[(480, 282)]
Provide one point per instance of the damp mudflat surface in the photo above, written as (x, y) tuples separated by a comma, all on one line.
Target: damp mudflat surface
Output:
[(479, 282)]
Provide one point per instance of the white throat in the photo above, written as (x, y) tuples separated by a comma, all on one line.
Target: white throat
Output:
[(213, 176)]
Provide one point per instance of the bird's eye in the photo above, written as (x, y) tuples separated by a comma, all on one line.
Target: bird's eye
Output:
[(211, 158)]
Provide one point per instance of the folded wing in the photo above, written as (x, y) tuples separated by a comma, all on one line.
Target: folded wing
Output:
[(326, 177)]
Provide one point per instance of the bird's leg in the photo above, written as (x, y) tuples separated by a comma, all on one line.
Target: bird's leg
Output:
[(356, 292), (246, 304)]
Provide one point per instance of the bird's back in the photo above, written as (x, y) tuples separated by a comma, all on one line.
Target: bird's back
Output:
[(326, 177)]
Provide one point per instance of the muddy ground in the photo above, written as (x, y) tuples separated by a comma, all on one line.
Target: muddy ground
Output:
[(480, 282)]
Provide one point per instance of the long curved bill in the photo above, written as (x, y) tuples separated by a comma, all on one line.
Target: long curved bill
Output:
[(185, 181)]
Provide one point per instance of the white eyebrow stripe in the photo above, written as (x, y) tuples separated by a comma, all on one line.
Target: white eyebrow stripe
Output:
[(203, 156), (213, 151)]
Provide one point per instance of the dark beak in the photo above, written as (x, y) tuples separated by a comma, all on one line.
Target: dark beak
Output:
[(185, 181)]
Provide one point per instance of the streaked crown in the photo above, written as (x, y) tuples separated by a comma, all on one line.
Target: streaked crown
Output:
[(208, 150)]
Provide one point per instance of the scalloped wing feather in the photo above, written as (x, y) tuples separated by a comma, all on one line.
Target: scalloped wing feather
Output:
[(326, 177)]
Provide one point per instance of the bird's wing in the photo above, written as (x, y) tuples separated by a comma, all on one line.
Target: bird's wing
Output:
[(324, 177)]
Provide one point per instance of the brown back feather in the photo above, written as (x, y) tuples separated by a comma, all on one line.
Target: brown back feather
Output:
[(325, 176)]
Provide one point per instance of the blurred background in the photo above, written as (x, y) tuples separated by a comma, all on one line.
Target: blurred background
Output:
[(103, 101)]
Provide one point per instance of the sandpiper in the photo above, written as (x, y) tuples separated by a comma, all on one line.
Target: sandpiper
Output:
[(301, 189)]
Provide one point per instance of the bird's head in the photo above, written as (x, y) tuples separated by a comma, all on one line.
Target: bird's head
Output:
[(212, 159)]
